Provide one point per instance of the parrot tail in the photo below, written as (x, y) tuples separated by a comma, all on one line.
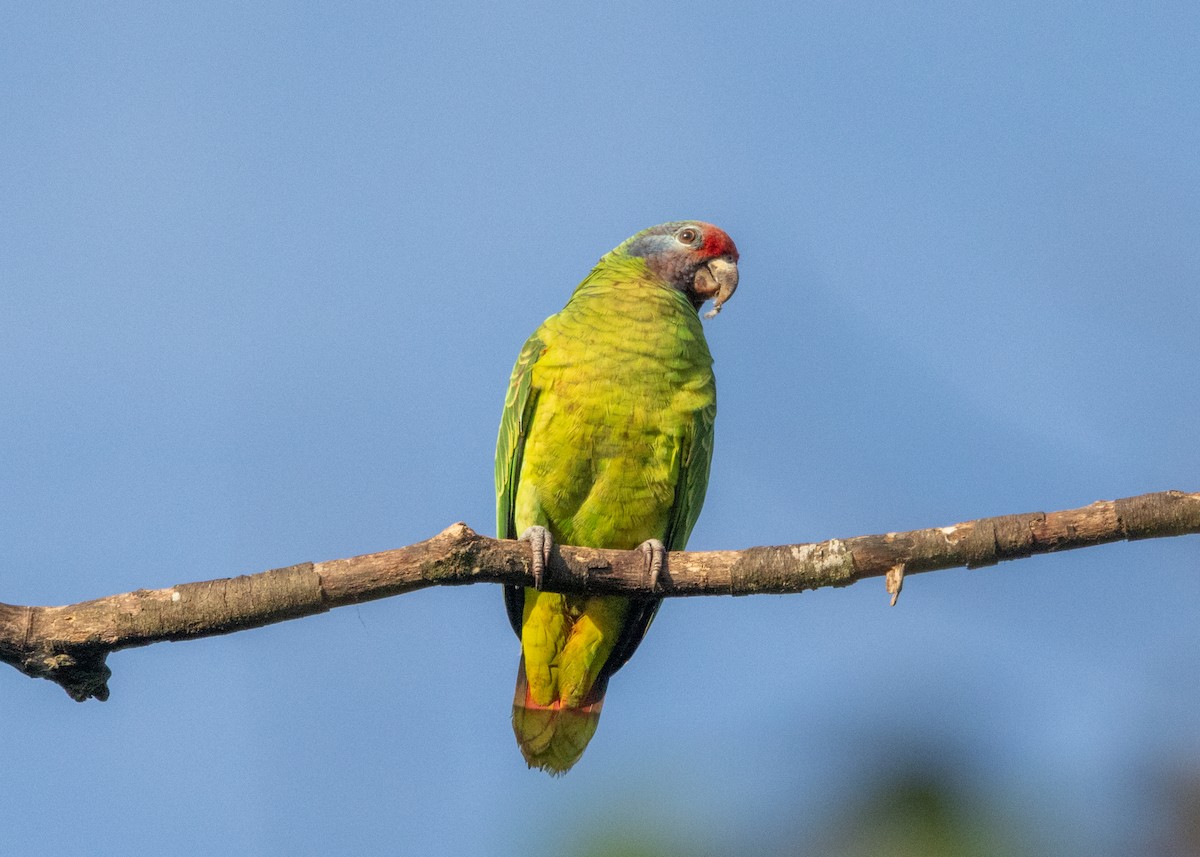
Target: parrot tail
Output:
[(553, 737)]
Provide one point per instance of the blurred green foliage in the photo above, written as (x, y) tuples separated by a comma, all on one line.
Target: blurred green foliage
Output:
[(918, 809)]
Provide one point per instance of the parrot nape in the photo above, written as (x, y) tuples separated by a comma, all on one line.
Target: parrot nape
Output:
[(605, 442)]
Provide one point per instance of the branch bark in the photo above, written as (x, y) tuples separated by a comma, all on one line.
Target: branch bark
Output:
[(69, 645)]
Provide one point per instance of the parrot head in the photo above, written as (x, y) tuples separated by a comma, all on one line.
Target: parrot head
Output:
[(696, 258)]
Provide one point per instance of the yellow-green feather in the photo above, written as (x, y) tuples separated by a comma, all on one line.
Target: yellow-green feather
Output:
[(605, 440)]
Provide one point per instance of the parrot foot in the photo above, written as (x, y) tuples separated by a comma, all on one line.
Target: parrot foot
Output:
[(541, 542), (656, 557)]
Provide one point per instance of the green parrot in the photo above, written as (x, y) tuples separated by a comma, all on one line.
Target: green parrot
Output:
[(605, 441)]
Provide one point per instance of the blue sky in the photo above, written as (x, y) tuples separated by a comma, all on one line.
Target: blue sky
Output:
[(264, 270)]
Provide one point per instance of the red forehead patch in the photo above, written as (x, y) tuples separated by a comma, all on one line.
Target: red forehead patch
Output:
[(717, 243)]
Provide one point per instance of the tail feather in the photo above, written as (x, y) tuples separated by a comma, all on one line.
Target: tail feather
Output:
[(553, 737)]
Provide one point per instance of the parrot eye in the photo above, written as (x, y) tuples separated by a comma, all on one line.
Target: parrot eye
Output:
[(687, 235)]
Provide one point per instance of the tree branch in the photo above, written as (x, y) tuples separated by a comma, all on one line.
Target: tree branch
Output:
[(68, 645)]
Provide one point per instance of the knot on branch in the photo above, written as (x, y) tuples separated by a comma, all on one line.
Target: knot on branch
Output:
[(82, 672)]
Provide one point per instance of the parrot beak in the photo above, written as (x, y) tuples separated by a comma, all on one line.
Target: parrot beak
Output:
[(716, 279)]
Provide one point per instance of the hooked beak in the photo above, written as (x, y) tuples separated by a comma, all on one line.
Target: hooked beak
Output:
[(716, 279)]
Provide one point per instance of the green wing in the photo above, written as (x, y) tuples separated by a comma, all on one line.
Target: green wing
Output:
[(693, 479), (514, 425), (519, 403), (696, 456)]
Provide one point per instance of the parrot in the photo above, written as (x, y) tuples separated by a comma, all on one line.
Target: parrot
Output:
[(605, 441)]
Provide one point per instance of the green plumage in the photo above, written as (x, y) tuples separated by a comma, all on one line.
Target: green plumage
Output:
[(605, 441)]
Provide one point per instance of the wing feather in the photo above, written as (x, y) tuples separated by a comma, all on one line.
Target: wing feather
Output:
[(519, 404), (696, 448)]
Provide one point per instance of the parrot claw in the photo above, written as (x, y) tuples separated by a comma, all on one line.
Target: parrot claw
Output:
[(541, 542), (656, 557)]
